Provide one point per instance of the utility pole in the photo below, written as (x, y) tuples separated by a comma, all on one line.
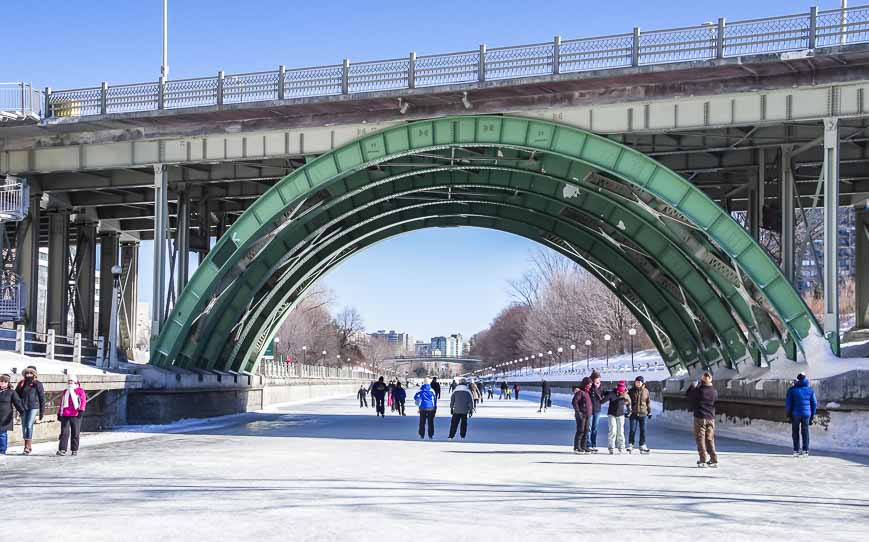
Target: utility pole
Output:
[(164, 69)]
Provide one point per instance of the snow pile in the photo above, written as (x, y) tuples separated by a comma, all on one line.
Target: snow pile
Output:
[(11, 360), (646, 362)]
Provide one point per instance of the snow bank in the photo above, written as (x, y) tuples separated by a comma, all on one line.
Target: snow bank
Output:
[(11, 360)]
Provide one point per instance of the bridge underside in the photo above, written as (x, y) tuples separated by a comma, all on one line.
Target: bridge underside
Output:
[(704, 291)]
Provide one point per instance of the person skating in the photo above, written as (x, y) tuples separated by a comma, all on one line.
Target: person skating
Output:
[(9, 403), (619, 405), (436, 386), (427, 401), (516, 391), (503, 390), (370, 387), (70, 414), (545, 396), (32, 395), (596, 392), (801, 407), (389, 402), (490, 389), (582, 411), (475, 393), (703, 395), (453, 385), (461, 406), (399, 394), (641, 409), (362, 395), (378, 395)]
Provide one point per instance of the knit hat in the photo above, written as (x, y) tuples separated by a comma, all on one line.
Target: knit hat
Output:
[(621, 387), (32, 369), (72, 376), (801, 376), (640, 379)]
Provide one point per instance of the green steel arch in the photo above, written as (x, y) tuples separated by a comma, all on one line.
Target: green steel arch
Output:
[(557, 182)]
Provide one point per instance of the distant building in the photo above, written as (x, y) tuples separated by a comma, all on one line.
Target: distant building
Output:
[(438, 344), (422, 348), (402, 341)]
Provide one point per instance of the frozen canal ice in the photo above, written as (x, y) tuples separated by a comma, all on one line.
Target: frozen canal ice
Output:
[(332, 471)]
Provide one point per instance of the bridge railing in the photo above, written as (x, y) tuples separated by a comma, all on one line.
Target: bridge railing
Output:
[(20, 99), (281, 369), (708, 41)]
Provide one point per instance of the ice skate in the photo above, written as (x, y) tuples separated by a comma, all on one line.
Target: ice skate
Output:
[(701, 464), (712, 465), (644, 450), (630, 448), (611, 451)]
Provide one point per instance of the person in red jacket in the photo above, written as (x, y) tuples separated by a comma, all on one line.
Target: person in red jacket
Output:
[(71, 411), (582, 410)]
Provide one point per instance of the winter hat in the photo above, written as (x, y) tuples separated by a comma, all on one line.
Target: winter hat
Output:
[(801, 377), (621, 387), (594, 374), (640, 379), (32, 369), (5, 378), (72, 376)]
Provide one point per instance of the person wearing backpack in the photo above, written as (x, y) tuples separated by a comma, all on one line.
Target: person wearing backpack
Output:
[(427, 401)]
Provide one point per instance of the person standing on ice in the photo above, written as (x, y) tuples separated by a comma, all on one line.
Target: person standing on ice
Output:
[(641, 409), (503, 390), (9, 402), (516, 390), (545, 396), (427, 401), (32, 395), (475, 393), (389, 389), (596, 394), (362, 395), (461, 406), (490, 389), (378, 395), (801, 407), (398, 397), (703, 396), (582, 411), (436, 386), (619, 405), (70, 414)]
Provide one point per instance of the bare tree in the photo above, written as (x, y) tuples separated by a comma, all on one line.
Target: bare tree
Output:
[(348, 323)]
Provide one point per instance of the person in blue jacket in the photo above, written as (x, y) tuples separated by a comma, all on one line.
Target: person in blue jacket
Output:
[(427, 401), (398, 396), (801, 407)]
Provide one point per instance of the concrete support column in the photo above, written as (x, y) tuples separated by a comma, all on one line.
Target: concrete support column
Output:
[(127, 314), (85, 285), (27, 260), (58, 272), (787, 214), (831, 231), (182, 240), (862, 273), (108, 258), (161, 228)]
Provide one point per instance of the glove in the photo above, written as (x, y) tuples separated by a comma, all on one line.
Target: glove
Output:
[(650, 416), (451, 411), (812, 421), (41, 415)]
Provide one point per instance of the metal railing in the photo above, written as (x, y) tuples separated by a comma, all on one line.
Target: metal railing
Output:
[(281, 369), (13, 296), (14, 200), (49, 345), (19, 100), (708, 41)]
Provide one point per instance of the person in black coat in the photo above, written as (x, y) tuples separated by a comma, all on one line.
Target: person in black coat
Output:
[(436, 386), (399, 394), (362, 395), (378, 392), (8, 400), (545, 397), (32, 395), (703, 395)]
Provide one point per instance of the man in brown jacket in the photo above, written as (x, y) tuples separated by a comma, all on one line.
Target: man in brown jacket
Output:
[(641, 409)]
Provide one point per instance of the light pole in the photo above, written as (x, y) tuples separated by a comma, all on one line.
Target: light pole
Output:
[(549, 365), (606, 340), (164, 68), (632, 332), (324, 357), (572, 357), (304, 355), (560, 351), (277, 340), (540, 361), (587, 354)]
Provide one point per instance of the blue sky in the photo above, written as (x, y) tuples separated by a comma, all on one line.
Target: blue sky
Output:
[(426, 283)]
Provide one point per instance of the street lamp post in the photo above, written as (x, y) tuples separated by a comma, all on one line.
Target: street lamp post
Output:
[(275, 348), (587, 354), (304, 354), (324, 357), (549, 365), (560, 368), (632, 332), (606, 340), (540, 361), (572, 357)]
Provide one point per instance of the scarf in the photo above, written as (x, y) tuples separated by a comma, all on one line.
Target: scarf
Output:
[(70, 394)]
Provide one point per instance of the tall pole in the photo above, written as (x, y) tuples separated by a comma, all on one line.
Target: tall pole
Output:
[(164, 69)]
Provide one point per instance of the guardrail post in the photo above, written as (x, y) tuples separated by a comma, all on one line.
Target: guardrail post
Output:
[(813, 26), (481, 63), (104, 91), (411, 70), (100, 351), (21, 87), (220, 87), (47, 109), (635, 47), (161, 93), (49, 345), (556, 55), (282, 77), (345, 76), (20, 339), (76, 348), (719, 40)]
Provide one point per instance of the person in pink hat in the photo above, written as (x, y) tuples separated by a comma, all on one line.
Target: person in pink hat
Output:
[(619, 405), (72, 407)]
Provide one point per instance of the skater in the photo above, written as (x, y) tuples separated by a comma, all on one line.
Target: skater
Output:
[(71, 411), (545, 396), (619, 405), (370, 387), (427, 401), (596, 393), (703, 395), (503, 390), (582, 411), (378, 395), (516, 391), (453, 385), (801, 407), (641, 409), (9, 400), (475, 393), (398, 396), (32, 395), (491, 391), (508, 394), (461, 406), (362, 395), (389, 390), (436, 386)]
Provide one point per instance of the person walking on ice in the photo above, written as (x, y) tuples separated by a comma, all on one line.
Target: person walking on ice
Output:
[(619, 405), (703, 395), (641, 409), (72, 407), (32, 395), (427, 401), (801, 407), (461, 406)]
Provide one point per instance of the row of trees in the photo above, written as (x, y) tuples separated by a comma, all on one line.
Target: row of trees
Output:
[(557, 304)]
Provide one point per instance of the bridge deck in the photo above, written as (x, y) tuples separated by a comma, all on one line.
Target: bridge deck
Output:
[(332, 471)]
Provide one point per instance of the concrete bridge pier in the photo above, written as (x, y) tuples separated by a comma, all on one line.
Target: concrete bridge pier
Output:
[(862, 279), (108, 258), (129, 297), (27, 259), (58, 271)]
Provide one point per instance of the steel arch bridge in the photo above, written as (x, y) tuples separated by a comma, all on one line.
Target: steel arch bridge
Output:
[(703, 290)]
